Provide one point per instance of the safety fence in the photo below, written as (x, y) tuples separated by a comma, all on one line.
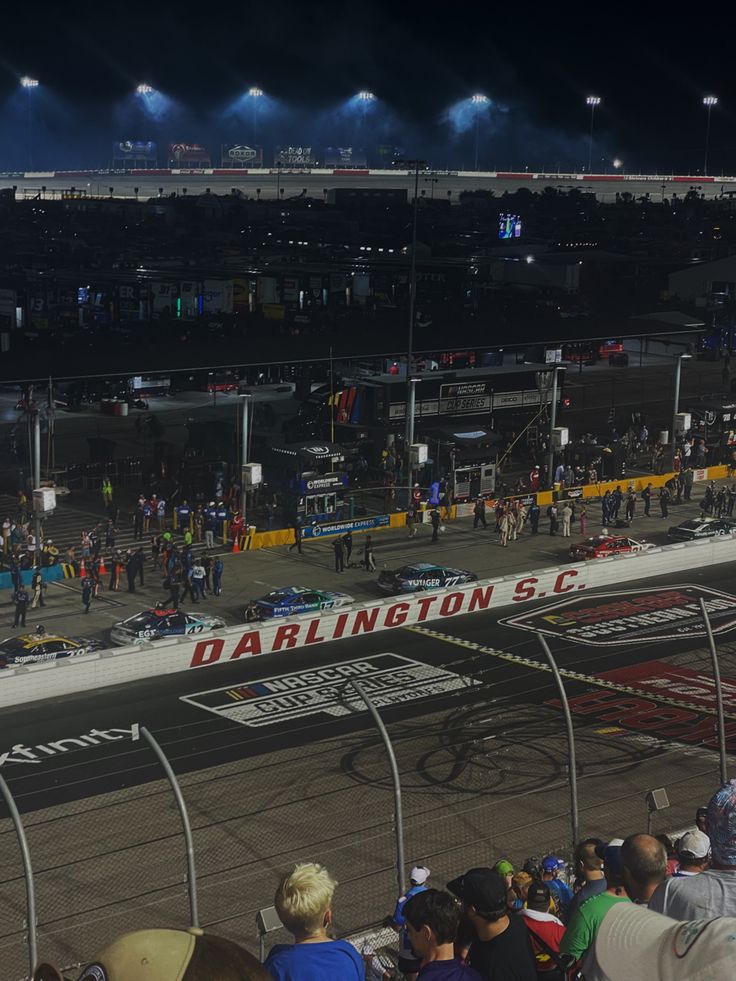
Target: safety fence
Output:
[(479, 773)]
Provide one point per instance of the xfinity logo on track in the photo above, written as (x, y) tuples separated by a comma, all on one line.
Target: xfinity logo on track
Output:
[(387, 679), (648, 615), (37, 754)]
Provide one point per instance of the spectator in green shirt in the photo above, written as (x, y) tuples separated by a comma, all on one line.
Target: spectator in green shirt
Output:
[(583, 927)]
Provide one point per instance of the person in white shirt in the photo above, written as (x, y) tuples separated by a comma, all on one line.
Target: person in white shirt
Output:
[(712, 892)]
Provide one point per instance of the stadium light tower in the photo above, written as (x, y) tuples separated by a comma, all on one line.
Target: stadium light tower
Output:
[(478, 101), (29, 84), (593, 101), (709, 101), (255, 95), (144, 89), (365, 96)]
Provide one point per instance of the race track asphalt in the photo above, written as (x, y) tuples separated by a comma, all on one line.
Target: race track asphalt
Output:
[(228, 712)]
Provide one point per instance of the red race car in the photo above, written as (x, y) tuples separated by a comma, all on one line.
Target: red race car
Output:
[(602, 546)]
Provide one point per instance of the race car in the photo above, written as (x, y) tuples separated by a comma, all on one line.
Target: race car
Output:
[(422, 576), (289, 600), (159, 622), (602, 546), (40, 646), (686, 531)]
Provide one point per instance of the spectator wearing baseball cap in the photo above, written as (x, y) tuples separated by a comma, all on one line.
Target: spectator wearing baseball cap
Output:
[(700, 819), (561, 892), (712, 892), (693, 854), (644, 861), (408, 961), (432, 922), (501, 948), (635, 942), (171, 955), (303, 902), (505, 869), (545, 929), (583, 927), (589, 866)]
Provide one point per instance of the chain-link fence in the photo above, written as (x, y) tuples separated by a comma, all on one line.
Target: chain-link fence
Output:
[(483, 777)]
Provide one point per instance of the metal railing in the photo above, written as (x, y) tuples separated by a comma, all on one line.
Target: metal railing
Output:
[(472, 778)]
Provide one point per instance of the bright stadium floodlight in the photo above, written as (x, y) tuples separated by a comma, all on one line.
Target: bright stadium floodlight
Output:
[(479, 101), (593, 101), (366, 96), (29, 83), (256, 95), (144, 89), (618, 163), (709, 101)]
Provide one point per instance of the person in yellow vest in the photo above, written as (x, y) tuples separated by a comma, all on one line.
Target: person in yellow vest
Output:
[(106, 490)]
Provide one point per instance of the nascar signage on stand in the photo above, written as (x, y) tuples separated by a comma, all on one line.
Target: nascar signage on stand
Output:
[(188, 155), (241, 155), (294, 156), (134, 151), (345, 158)]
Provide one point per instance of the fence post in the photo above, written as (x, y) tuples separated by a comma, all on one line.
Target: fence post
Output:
[(719, 691), (398, 812), (28, 875), (180, 803), (571, 758)]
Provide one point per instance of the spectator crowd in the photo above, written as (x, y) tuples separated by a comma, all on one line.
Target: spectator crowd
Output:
[(642, 907)]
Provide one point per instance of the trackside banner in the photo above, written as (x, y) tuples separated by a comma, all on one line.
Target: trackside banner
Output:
[(121, 665), (303, 631)]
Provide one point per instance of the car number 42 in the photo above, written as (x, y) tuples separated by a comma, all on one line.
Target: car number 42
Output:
[(194, 628)]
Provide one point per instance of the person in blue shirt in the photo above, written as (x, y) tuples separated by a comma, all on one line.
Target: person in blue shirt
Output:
[(561, 892), (303, 902), (408, 961)]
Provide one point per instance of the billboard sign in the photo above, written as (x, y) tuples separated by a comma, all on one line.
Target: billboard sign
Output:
[(646, 616), (188, 154), (241, 155), (295, 156), (345, 157), (134, 150)]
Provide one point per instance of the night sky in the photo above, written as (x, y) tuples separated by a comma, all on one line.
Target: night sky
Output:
[(651, 71)]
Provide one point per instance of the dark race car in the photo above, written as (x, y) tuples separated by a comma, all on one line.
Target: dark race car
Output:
[(154, 624), (32, 648), (289, 600), (604, 546), (701, 528), (421, 576)]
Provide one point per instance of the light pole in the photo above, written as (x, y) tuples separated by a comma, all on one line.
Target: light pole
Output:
[(552, 426), (709, 101), (676, 408), (29, 84), (244, 452), (255, 93), (416, 165), (478, 100), (593, 101)]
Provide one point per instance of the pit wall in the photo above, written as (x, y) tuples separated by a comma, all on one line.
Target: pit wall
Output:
[(116, 666)]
